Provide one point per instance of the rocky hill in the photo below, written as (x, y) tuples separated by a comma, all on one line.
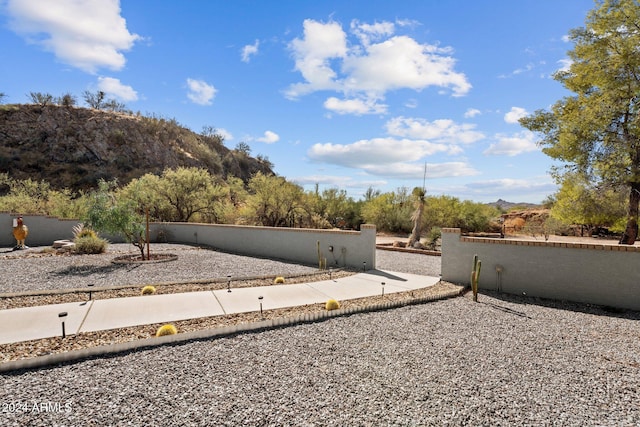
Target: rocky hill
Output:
[(505, 206), (72, 147)]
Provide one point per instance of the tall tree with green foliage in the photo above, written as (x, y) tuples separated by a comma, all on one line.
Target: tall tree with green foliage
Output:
[(596, 132)]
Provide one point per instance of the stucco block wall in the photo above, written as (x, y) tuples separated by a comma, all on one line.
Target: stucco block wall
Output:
[(350, 248), (43, 230), (589, 273)]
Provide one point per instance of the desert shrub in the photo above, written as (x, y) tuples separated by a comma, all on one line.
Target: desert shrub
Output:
[(81, 231), (167, 329), (278, 279), (148, 290), (332, 305), (90, 245)]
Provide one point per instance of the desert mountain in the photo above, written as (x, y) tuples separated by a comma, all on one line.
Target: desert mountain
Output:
[(72, 147)]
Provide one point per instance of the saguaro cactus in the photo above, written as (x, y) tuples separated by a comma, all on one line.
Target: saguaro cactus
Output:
[(475, 275)]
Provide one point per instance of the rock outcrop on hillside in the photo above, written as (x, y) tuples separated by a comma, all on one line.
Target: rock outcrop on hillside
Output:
[(72, 147)]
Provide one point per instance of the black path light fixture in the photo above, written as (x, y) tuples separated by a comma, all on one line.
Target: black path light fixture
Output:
[(364, 265), (90, 285), (382, 288), (260, 300), (228, 283), (62, 316)]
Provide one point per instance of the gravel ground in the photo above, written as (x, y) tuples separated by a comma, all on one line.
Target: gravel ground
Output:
[(502, 361), (76, 271)]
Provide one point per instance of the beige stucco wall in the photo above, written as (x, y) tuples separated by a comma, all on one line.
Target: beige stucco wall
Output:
[(350, 248), (589, 273)]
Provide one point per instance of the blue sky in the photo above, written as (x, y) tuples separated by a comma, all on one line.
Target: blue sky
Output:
[(347, 94)]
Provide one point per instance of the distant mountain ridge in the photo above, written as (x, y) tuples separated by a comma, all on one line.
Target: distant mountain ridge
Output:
[(73, 147), (504, 205)]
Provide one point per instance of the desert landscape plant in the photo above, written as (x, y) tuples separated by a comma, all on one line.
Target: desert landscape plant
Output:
[(475, 276), (332, 305), (167, 329), (148, 290)]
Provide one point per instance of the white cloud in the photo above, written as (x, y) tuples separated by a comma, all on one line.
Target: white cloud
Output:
[(357, 107), (442, 130), (87, 34), (200, 92), (249, 50), (515, 114), (269, 137), (312, 53), (337, 181), (371, 32), (537, 187), (416, 170), (113, 87), (565, 64), (366, 67), (513, 145), (401, 62), (368, 153), (228, 136), (471, 113)]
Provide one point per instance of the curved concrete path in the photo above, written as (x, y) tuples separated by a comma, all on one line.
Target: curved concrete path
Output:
[(33, 323)]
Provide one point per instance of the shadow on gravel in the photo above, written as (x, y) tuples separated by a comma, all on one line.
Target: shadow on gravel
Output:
[(505, 309), (90, 270), (597, 310)]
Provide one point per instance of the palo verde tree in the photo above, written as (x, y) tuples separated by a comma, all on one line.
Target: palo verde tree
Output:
[(108, 214), (596, 132)]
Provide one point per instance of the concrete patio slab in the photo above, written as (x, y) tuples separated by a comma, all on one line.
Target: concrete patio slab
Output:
[(370, 284), (42, 322), (32, 323), (149, 309), (278, 296)]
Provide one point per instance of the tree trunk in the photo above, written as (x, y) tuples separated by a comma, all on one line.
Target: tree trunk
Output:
[(631, 232), (417, 225)]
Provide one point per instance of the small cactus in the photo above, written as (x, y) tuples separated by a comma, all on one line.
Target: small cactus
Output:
[(278, 279), (167, 329), (332, 305), (475, 276), (148, 290)]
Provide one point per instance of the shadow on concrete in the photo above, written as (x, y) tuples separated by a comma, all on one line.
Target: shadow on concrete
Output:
[(386, 275)]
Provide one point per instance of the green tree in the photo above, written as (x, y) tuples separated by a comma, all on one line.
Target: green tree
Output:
[(580, 202), (274, 202), (390, 211), (182, 195), (110, 215), (37, 197), (596, 132)]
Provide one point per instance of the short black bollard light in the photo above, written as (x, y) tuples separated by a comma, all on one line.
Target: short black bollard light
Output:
[(229, 283), (62, 316), (383, 288), (364, 265), (90, 285), (260, 299)]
